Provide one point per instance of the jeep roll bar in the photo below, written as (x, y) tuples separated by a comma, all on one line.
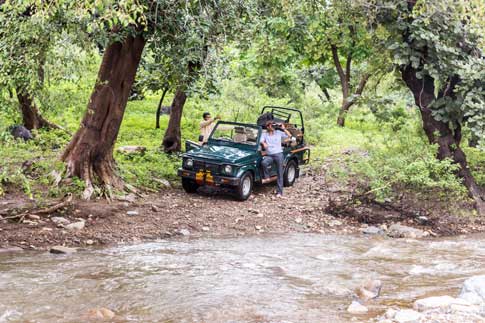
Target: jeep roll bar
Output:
[(282, 113)]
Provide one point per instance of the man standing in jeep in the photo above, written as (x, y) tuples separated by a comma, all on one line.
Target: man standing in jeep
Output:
[(271, 141), (206, 127)]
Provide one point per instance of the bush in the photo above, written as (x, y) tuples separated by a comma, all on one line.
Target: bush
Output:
[(404, 161)]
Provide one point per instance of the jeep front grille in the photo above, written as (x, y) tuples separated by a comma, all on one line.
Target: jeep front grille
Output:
[(213, 168)]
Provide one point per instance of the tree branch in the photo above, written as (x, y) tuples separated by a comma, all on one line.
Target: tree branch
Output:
[(362, 83), (340, 71)]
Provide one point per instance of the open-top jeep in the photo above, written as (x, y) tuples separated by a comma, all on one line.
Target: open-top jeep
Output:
[(233, 154)]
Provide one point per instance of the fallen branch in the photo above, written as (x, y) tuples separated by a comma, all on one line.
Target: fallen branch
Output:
[(56, 207)]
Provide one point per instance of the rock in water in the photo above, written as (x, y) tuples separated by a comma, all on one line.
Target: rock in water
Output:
[(407, 316), (473, 290), (20, 132), (437, 302), (372, 230), (62, 249), (369, 290), (402, 231), (100, 314), (184, 232), (357, 308)]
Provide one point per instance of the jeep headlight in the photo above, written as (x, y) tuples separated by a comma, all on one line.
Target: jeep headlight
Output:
[(189, 163), (228, 169)]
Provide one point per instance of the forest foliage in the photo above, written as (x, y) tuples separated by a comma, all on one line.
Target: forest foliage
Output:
[(344, 63)]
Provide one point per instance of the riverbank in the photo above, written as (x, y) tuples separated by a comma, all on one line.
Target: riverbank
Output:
[(314, 204)]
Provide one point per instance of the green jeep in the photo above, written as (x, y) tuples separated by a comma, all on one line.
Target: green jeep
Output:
[(233, 154)]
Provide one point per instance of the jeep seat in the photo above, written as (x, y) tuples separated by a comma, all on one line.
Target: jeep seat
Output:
[(240, 135)]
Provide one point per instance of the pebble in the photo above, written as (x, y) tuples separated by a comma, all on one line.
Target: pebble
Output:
[(33, 217), (132, 213), (155, 208), (62, 250), (298, 220), (89, 242), (205, 229), (258, 227), (76, 226)]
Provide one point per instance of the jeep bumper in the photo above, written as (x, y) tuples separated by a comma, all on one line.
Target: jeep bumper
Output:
[(206, 178)]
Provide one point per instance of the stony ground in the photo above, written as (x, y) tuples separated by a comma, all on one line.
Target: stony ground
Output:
[(313, 204)]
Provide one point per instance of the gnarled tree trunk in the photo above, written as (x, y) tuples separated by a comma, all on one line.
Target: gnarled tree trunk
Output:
[(172, 141), (440, 133), (89, 155), (32, 119)]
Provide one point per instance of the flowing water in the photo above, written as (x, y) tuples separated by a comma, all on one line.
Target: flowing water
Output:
[(280, 278)]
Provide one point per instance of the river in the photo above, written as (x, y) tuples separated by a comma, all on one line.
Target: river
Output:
[(264, 278)]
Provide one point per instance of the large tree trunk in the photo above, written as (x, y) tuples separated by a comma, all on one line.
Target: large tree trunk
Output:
[(172, 141), (89, 155), (440, 133), (32, 119)]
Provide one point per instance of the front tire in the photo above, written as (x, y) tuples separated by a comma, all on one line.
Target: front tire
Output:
[(189, 185), (289, 175), (245, 187)]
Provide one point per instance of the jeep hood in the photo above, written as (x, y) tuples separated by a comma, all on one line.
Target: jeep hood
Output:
[(221, 154)]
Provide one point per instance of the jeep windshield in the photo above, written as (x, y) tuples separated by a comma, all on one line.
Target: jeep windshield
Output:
[(235, 133)]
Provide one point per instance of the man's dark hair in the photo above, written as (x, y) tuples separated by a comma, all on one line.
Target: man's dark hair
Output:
[(205, 114)]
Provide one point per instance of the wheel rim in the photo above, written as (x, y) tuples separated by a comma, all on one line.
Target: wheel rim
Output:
[(246, 186), (291, 173)]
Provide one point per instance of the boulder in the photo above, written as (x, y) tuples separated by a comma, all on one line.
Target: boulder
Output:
[(76, 226), (20, 132), (402, 231), (407, 316), (437, 302), (357, 308), (62, 249), (473, 290), (132, 150)]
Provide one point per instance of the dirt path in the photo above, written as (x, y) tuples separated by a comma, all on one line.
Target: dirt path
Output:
[(307, 207)]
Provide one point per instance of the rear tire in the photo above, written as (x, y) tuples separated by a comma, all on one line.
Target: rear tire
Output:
[(189, 185), (289, 175), (245, 187)]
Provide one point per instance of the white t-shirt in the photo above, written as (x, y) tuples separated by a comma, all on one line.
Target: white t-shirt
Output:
[(273, 141)]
